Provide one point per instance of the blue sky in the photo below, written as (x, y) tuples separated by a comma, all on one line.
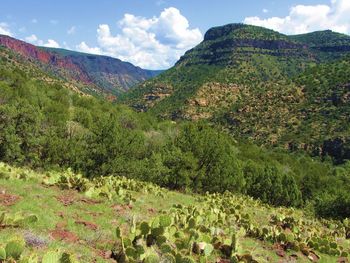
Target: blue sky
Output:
[(154, 33)]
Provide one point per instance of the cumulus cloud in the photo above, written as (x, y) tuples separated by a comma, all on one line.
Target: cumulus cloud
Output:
[(154, 43), (51, 43), (5, 29), (65, 45), (308, 18), (31, 39), (36, 41), (83, 47)]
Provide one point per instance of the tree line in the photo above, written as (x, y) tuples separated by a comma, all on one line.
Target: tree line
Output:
[(46, 126)]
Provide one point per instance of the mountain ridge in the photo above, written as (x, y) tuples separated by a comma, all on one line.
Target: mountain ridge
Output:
[(250, 80), (103, 75)]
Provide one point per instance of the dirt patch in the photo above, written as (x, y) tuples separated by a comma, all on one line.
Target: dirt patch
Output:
[(66, 200), (61, 224), (69, 198), (60, 214), (64, 235), (8, 199), (89, 225), (279, 249), (152, 210), (90, 201), (104, 254), (342, 260), (95, 214), (293, 257), (121, 209)]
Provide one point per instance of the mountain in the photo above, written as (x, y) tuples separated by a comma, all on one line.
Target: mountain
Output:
[(114, 75), (17, 66), (326, 44), (258, 84), (92, 186), (99, 75)]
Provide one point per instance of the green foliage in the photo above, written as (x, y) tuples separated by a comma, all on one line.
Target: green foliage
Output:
[(51, 257), (272, 185), (14, 249), (46, 126), (212, 226), (283, 91), (185, 239), (2, 253), (16, 220), (152, 258), (333, 206)]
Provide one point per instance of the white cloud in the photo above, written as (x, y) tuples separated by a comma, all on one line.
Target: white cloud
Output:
[(154, 43), (34, 21), (31, 39), (72, 30), (5, 29), (308, 18), (265, 11), (65, 45), (51, 43), (83, 47), (36, 41)]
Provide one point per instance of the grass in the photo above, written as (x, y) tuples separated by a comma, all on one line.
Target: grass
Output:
[(67, 210), (42, 201)]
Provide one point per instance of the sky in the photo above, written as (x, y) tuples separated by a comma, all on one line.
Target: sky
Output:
[(153, 34)]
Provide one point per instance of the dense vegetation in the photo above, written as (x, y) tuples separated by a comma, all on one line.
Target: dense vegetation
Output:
[(45, 125)]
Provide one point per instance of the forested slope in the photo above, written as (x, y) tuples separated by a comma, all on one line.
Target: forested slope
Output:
[(45, 125), (282, 91)]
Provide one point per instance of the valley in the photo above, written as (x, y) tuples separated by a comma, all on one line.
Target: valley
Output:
[(240, 152)]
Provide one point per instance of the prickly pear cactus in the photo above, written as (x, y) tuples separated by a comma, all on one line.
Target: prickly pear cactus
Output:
[(52, 257), (14, 249), (2, 253), (152, 258)]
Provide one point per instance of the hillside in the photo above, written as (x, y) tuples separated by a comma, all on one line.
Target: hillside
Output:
[(99, 75), (256, 83), (111, 74), (326, 44), (46, 125), (62, 215), (98, 172), (12, 62)]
